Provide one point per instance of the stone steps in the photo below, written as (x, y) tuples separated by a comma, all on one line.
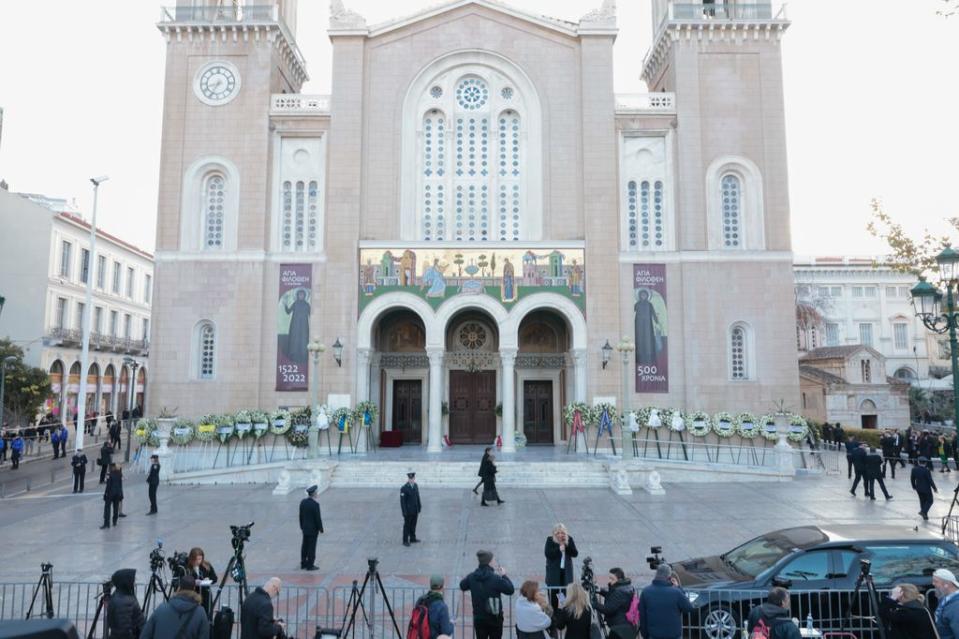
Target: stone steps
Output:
[(463, 474)]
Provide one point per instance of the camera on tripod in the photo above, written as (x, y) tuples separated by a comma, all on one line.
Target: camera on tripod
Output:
[(156, 557), (46, 567), (177, 564), (655, 558), (587, 579), (241, 535), (372, 562)]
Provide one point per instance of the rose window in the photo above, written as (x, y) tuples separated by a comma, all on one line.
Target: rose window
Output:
[(473, 336), (472, 93)]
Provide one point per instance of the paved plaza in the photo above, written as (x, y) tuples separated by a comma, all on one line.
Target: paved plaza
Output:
[(691, 519)]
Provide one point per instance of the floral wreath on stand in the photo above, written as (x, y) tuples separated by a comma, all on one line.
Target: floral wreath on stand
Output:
[(261, 423), (206, 429), (577, 417), (798, 428), (631, 422), (182, 432), (299, 435), (675, 419), (767, 427), (146, 432), (224, 428), (280, 422), (341, 418), (365, 413), (699, 424), (724, 425), (647, 413), (747, 425), (244, 424), (605, 417)]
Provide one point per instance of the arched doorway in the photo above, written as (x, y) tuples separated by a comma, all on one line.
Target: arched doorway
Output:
[(73, 390), (541, 375), (400, 357), (906, 374), (868, 417), (107, 389), (472, 363), (54, 403)]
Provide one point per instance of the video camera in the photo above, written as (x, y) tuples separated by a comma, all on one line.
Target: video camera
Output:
[(655, 558), (156, 557), (45, 568), (177, 564), (241, 535), (372, 562)]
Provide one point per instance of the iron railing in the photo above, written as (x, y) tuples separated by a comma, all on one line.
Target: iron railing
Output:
[(227, 13), (721, 11), (717, 614)]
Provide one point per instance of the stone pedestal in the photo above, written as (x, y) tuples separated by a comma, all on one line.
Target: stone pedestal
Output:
[(164, 428), (784, 457)]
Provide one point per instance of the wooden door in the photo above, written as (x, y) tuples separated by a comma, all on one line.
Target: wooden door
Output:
[(538, 412), (472, 407), (408, 409)]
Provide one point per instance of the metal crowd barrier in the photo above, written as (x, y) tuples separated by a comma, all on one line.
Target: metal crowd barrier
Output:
[(718, 614)]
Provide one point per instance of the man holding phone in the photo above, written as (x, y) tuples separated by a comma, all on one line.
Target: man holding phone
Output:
[(486, 586)]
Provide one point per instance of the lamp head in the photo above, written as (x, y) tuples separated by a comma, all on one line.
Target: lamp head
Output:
[(97, 181), (9, 359), (925, 299), (338, 352), (948, 261), (607, 351)]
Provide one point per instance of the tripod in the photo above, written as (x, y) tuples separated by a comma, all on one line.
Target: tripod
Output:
[(589, 585), (45, 582), (356, 602), (236, 569), (104, 600), (155, 586), (866, 578), (948, 517)]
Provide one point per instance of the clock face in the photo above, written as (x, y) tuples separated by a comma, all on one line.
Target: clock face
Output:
[(217, 83)]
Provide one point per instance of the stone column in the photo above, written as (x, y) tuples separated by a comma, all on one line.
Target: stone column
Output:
[(435, 433), (579, 375), (508, 359), (363, 394)]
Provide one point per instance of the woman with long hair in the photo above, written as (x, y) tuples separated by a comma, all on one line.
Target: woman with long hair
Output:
[(203, 574), (488, 473), (905, 614), (559, 550), (575, 615), (533, 615)]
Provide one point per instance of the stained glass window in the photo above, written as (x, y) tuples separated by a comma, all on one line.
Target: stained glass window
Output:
[(206, 350), (738, 352), (213, 195), (732, 211)]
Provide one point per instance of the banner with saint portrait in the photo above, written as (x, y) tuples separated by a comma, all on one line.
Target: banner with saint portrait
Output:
[(293, 327), (651, 327)]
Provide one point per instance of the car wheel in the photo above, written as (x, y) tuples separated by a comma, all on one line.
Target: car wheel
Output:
[(719, 623)]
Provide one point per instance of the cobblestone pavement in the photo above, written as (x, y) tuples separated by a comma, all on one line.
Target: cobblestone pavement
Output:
[(691, 519)]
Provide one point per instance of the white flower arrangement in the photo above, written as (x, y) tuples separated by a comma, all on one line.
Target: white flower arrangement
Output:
[(699, 424), (630, 421), (724, 425), (651, 417), (747, 425), (279, 421), (206, 428), (224, 427), (675, 419), (261, 423), (182, 432), (146, 432), (767, 427), (798, 428)]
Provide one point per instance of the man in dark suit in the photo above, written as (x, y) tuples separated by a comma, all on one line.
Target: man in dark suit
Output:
[(79, 464), (858, 457), (411, 506), (851, 445), (112, 494), (153, 480), (888, 445), (924, 486), (106, 456), (311, 525), (873, 473)]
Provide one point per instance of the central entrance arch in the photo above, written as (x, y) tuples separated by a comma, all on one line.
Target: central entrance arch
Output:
[(472, 345)]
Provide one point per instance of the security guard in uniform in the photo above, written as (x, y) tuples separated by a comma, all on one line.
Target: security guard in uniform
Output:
[(410, 505), (311, 525)]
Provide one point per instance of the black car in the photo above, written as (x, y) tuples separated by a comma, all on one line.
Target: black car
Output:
[(820, 565)]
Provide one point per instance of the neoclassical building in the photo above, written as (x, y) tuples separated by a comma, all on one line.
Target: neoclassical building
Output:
[(472, 214)]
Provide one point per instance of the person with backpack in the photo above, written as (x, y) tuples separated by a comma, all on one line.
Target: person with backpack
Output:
[(662, 605), (486, 584), (771, 620), (619, 601), (182, 617), (431, 617)]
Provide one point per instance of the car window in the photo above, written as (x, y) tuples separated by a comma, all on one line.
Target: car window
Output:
[(807, 567), (847, 561), (893, 563)]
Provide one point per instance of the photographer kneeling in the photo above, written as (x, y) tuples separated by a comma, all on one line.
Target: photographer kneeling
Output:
[(616, 601), (182, 617)]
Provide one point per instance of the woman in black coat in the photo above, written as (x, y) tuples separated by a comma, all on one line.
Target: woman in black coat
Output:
[(202, 572), (560, 550), (905, 614), (488, 473), (486, 454), (124, 617)]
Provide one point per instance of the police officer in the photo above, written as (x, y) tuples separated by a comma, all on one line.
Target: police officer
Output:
[(153, 481), (311, 525), (410, 505), (79, 464)]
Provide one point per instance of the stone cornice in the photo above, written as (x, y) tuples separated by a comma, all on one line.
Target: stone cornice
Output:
[(273, 32), (706, 30)]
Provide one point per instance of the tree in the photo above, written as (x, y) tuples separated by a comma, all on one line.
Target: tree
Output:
[(908, 255), (482, 263), (26, 387), (458, 260), (492, 264)]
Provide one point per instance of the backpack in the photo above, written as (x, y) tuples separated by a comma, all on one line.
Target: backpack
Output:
[(419, 627), (223, 623), (632, 615), (761, 631)]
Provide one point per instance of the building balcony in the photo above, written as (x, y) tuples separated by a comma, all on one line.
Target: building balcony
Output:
[(645, 103), (718, 11), (59, 336), (220, 14), (299, 104)]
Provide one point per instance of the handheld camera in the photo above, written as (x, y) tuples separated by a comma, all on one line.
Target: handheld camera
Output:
[(655, 558)]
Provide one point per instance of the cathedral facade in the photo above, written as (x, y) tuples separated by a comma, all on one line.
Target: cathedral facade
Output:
[(471, 216)]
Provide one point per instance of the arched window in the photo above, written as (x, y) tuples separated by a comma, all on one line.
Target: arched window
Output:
[(470, 122), (644, 206), (741, 357), (298, 203), (732, 211), (214, 191), (206, 350), (299, 216)]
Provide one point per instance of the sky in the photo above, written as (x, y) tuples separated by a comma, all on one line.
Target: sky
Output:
[(870, 93)]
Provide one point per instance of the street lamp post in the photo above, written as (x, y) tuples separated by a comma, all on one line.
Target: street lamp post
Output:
[(626, 348), (131, 392), (85, 322), (3, 382), (927, 301), (316, 348)]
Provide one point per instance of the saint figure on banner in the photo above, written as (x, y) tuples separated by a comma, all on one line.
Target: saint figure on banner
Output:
[(508, 286), (298, 335), (648, 339)]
